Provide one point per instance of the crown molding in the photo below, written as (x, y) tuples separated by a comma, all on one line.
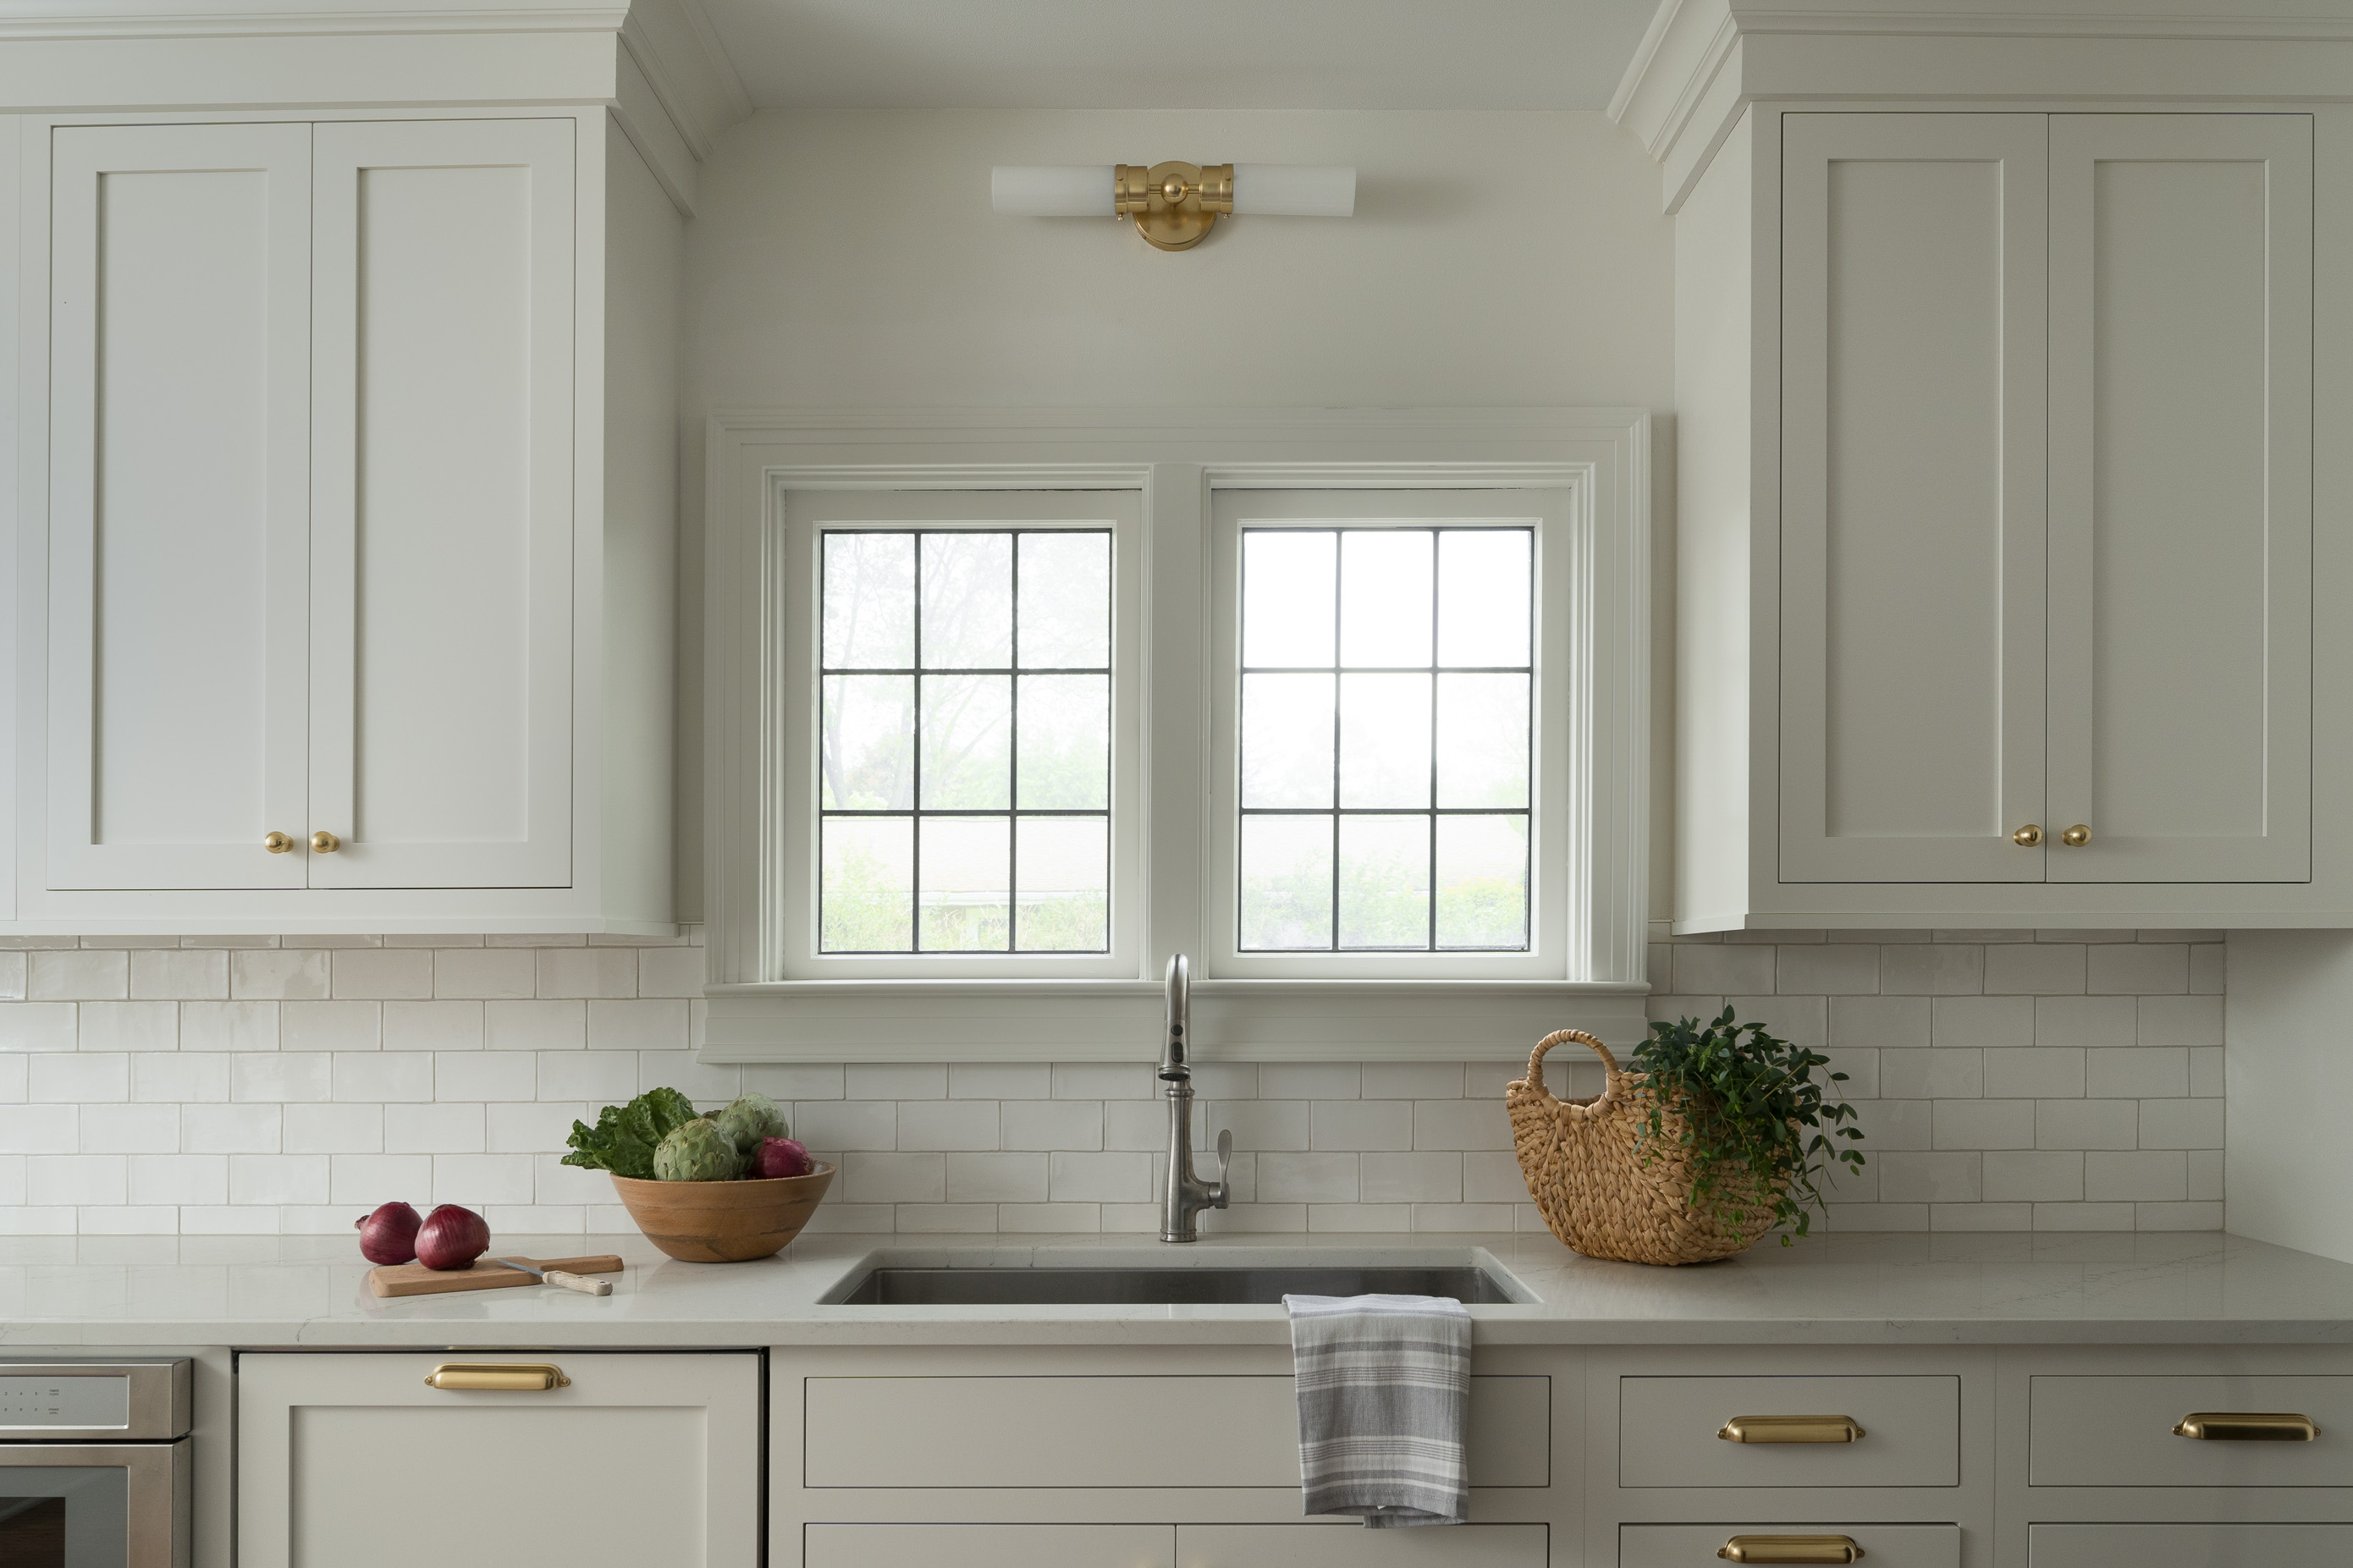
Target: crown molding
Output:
[(1702, 62)]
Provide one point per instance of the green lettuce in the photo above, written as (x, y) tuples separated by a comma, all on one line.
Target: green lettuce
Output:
[(625, 1137)]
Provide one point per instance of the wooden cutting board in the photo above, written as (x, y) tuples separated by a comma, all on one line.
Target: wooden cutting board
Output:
[(416, 1280)]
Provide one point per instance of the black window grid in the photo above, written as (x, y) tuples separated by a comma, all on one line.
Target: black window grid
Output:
[(1013, 813), (1433, 811)]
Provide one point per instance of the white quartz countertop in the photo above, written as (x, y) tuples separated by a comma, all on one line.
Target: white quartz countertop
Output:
[(74, 1292)]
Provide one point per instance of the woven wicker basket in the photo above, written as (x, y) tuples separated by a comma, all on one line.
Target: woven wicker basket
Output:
[(1601, 1196)]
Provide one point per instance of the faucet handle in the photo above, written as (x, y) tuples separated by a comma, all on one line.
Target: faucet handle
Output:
[(1225, 1159)]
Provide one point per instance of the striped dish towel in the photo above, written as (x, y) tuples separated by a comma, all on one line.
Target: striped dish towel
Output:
[(1384, 1387)]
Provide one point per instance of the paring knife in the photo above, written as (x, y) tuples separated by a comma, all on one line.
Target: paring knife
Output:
[(579, 1282)]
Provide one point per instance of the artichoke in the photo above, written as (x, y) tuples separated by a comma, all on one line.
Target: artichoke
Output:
[(750, 1117), (697, 1152)]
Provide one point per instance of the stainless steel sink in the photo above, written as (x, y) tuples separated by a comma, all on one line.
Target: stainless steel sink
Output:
[(891, 1286)]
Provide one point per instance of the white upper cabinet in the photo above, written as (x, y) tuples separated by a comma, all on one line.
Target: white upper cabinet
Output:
[(1912, 513), (441, 504), (2028, 561), (178, 470), (2181, 584), (337, 457)]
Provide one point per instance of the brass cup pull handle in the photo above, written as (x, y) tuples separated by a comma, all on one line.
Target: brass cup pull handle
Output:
[(2028, 836), (1791, 1429), (1791, 1549), (278, 843), (2076, 836), (325, 842), (2247, 1427), (497, 1377)]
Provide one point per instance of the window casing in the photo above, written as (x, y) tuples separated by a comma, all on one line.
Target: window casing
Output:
[(1162, 480)]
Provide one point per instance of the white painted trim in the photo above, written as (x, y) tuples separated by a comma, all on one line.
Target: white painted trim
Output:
[(1242, 1021), (66, 28), (1174, 456)]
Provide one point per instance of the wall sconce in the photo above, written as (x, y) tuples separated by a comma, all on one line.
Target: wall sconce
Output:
[(1173, 205)]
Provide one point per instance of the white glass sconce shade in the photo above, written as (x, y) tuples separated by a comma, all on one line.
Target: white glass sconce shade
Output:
[(1053, 190), (1295, 190)]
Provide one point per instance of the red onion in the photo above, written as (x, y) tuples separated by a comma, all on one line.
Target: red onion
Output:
[(389, 1235), (453, 1237), (780, 1157)]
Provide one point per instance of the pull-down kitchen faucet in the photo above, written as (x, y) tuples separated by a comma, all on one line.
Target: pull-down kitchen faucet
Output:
[(1186, 1195)]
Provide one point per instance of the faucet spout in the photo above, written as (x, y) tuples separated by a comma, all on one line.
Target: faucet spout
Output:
[(1186, 1195), (1178, 1019)]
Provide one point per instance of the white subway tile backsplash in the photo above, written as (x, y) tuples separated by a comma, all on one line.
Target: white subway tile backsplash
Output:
[(228, 1026), (2061, 1079), (76, 976)]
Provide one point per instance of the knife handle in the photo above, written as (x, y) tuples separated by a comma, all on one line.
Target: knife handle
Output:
[(579, 1282)]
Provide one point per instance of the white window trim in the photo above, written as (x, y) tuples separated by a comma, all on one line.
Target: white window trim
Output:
[(1176, 458)]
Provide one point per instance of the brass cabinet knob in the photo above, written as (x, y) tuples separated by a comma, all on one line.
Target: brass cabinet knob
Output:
[(2028, 836), (278, 843), (325, 842), (2076, 836)]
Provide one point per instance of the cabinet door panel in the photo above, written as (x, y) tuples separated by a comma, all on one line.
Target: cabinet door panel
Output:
[(180, 326), (990, 1545), (442, 519), (2189, 1545), (2181, 496), (1912, 506), (658, 1455), (1340, 1546)]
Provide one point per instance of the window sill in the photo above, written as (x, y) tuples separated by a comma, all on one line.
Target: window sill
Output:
[(1120, 1020)]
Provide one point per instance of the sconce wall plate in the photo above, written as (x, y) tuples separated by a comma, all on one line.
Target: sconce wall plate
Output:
[(1173, 205)]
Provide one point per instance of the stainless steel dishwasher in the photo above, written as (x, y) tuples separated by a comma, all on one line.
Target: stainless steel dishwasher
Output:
[(94, 1464)]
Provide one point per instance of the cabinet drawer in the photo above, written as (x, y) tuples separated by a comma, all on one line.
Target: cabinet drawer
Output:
[(1347, 1546), (988, 1545), (1883, 1545), (1667, 1430), (2118, 1432), (1115, 1432), (2189, 1545)]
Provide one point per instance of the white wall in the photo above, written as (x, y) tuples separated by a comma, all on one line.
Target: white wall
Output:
[(2289, 1073), (851, 259)]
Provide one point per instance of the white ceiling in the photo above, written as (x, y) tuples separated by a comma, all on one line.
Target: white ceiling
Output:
[(1180, 54)]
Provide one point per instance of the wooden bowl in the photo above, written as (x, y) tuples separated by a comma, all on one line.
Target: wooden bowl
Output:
[(723, 1222)]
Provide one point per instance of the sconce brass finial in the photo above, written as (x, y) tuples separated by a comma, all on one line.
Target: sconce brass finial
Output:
[(1173, 205)]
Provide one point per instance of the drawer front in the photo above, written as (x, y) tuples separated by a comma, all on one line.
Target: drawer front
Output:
[(1883, 1545), (1667, 1430), (2189, 1545), (1115, 1432), (1347, 1546), (2118, 1432), (988, 1545)]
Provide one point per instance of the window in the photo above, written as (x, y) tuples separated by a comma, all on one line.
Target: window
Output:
[(1386, 731), (959, 765), (964, 741), (1007, 707)]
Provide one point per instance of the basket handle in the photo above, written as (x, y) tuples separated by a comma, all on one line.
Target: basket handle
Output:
[(1608, 1064)]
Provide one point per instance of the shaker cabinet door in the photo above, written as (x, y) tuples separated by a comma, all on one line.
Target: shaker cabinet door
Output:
[(179, 323), (2180, 574), (636, 1459), (1912, 497), (441, 644)]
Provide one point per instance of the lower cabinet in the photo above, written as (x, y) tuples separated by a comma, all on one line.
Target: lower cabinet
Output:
[(397, 1461), (2189, 1545), (1303, 1545)]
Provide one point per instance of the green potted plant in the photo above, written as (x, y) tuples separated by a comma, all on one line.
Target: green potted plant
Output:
[(1718, 1133)]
